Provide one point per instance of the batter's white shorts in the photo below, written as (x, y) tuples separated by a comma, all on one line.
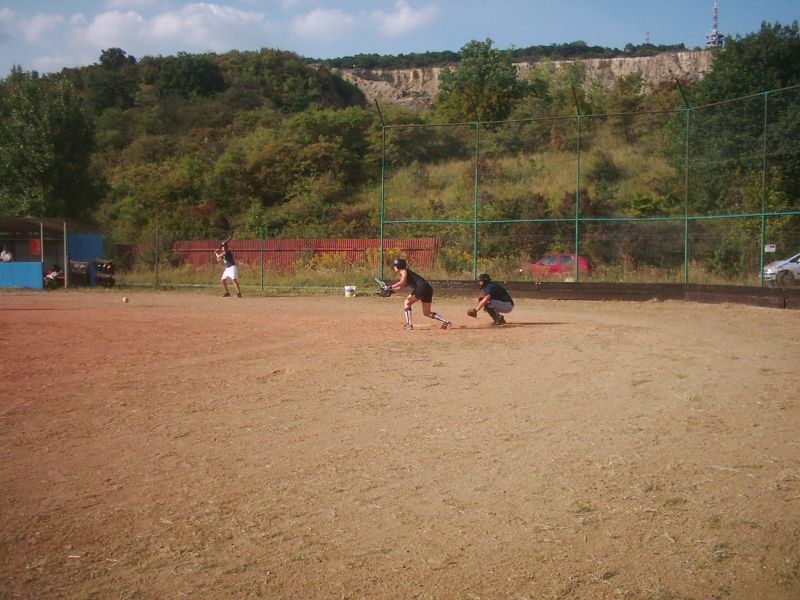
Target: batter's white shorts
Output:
[(230, 273)]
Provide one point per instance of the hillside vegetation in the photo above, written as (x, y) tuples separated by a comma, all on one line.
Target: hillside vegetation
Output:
[(262, 142)]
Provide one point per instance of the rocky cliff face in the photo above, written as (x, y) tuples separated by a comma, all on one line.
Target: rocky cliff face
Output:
[(417, 88)]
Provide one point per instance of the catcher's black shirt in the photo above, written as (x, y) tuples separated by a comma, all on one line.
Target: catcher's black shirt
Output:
[(497, 292)]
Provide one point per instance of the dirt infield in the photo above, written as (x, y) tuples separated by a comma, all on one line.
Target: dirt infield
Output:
[(190, 446)]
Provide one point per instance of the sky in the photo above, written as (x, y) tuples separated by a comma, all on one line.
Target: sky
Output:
[(48, 35)]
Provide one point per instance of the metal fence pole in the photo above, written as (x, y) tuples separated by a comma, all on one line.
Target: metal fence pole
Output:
[(578, 200), (157, 257), (688, 109), (261, 254), (577, 183), (475, 204), (763, 195), (66, 258), (383, 195), (383, 181), (686, 201)]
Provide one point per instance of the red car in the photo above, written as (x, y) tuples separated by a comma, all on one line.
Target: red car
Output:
[(559, 264)]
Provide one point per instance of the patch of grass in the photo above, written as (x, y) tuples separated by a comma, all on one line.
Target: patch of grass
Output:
[(722, 552), (674, 501), (609, 575), (790, 572), (714, 522)]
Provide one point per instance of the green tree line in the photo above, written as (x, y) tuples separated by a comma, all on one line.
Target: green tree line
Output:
[(198, 144), (567, 51)]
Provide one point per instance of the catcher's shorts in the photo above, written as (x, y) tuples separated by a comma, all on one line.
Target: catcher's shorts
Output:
[(500, 306), (230, 273)]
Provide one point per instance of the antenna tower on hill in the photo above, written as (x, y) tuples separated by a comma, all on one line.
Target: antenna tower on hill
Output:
[(714, 39)]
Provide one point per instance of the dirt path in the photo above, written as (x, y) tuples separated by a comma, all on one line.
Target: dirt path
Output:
[(186, 445)]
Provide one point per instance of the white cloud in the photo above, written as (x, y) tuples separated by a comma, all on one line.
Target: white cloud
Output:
[(54, 63), (195, 27), (324, 24), (112, 29), (404, 18), (37, 27)]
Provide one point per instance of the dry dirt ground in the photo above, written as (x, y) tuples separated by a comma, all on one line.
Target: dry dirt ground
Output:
[(185, 445)]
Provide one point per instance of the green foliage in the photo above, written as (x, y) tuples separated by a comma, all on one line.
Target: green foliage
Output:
[(625, 99), (483, 87), (727, 259), (286, 82), (571, 50), (113, 83), (46, 141), (727, 141), (604, 170), (265, 141), (188, 76), (766, 60)]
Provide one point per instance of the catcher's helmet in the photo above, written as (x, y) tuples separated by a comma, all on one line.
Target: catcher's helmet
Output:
[(400, 263), (484, 278)]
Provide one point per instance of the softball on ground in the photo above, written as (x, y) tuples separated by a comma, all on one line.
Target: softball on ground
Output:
[(125, 299)]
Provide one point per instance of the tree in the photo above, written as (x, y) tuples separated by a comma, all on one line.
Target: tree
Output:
[(46, 141), (727, 139), (188, 76), (625, 99), (114, 82), (484, 86), (766, 60)]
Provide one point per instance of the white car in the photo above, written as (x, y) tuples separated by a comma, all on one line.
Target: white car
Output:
[(783, 272)]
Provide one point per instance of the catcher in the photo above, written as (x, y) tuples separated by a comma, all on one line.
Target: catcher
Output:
[(494, 299), (421, 290)]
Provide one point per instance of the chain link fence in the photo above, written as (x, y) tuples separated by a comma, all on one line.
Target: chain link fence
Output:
[(691, 195)]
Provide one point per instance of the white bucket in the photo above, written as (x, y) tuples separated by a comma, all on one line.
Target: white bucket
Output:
[(349, 291)]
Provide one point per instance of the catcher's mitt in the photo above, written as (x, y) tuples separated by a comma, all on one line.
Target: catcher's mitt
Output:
[(385, 292), (471, 312)]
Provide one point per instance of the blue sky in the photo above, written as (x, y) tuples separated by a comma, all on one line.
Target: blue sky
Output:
[(47, 35)]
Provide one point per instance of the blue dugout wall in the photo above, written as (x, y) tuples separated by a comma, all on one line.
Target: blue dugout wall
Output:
[(29, 273), (21, 274)]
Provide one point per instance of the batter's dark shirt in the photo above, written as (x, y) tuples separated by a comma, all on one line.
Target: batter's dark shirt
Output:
[(497, 292), (227, 258)]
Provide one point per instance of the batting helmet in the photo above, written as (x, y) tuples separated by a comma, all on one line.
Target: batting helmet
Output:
[(400, 263), (484, 277)]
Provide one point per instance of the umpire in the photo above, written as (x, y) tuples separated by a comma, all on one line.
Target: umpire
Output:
[(494, 299)]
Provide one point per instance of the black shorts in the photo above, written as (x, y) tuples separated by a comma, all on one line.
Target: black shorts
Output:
[(423, 293)]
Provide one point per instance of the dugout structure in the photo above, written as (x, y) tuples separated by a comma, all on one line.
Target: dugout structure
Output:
[(36, 244), (691, 195)]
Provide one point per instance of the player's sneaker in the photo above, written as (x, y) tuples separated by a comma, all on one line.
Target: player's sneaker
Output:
[(499, 321), (446, 325), (225, 295), (408, 327), (238, 294)]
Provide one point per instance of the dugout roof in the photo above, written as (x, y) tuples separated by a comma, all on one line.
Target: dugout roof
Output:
[(23, 226)]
